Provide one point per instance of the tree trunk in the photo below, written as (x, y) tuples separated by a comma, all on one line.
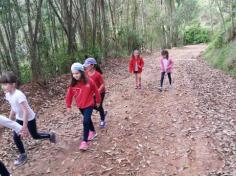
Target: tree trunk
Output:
[(105, 31), (135, 13), (94, 23), (112, 20), (33, 36), (221, 15)]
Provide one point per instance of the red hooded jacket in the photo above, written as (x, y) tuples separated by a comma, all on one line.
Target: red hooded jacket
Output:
[(139, 62), (83, 94)]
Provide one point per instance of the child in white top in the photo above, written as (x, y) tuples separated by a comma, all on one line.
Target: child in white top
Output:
[(23, 113)]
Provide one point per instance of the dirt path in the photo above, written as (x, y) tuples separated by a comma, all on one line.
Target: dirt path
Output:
[(188, 131)]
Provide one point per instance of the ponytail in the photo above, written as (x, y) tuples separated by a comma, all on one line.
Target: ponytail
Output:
[(98, 68)]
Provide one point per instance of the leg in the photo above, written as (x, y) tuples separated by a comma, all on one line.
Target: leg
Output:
[(17, 140), (100, 109), (139, 80), (87, 122), (3, 170), (22, 158), (33, 131), (162, 79), (136, 79), (169, 77)]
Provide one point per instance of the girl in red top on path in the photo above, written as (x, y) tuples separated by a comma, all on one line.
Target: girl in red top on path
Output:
[(94, 72), (136, 66), (82, 90)]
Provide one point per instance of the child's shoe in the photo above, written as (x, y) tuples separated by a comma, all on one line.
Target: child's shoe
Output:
[(92, 135), (83, 146), (102, 124), (52, 138), (140, 87), (21, 160), (160, 89)]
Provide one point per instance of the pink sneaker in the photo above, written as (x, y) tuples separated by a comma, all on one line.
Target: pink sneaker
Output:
[(83, 146), (92, 135)]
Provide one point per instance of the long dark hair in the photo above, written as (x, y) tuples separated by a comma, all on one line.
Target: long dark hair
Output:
[(98, 68), (165, 53), (83, 78)]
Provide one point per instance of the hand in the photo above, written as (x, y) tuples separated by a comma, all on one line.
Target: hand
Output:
[(24, 132), (68, 110)]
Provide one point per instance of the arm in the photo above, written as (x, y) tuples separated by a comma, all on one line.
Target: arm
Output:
[(131, 66), (101, 81), (161, 65), (69, 97), (97, 94), (24, 108), (171, 64), (12, 115), (10, 124), (141, 63), (101, 87)]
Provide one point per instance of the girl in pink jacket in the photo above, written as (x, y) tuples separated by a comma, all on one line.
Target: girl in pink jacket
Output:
[(166, 64)]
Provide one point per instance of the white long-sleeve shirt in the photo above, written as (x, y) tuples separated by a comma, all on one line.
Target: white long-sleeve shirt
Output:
[(10, 124)]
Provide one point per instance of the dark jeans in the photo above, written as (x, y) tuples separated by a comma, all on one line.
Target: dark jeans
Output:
[(100, 108), (87, 122), (33, 132), (3, 170), (163, 76)]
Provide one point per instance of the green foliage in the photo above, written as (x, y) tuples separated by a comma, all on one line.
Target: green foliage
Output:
[(218, 41), (223, 58), (126, 41), (196, 34), (90, 52), (221, 50), (25, 73)]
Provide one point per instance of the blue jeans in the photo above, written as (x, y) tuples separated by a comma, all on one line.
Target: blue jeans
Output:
[(3, 170), (87, 122)]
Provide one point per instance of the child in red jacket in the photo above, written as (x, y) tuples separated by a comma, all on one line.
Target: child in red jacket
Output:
[(95, 73), (136, 66), (83, 90)]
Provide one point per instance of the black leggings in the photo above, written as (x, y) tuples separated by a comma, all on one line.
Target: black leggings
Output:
[(33, 132), (100, 108), (163, 76), (3, 170)]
